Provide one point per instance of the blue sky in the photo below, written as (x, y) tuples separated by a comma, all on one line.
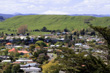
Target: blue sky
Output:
[(55, 6)]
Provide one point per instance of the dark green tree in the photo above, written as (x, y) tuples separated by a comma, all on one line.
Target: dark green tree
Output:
[(32, 48), (15, 68), (105, 32), (41, 44), (44, 29), (79, 63)]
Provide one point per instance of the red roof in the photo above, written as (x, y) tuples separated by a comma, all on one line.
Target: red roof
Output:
[(8, 43), (12, 50), (23, 51)]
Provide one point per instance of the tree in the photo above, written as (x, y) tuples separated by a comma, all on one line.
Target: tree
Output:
[(66, 30), (59, 43), (9, 68), (93, 33), (68, 38), (22, 29), (27, 38), (14, 55), (44, 29), (6, 53), (42, 38), (32, 48), (41, 44), (51, 67), (105, 32), (82, 32), (79, 63), (15, 68), (40, 56)]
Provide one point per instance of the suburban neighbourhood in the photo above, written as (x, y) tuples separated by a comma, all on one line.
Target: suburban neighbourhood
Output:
[(30, 53)]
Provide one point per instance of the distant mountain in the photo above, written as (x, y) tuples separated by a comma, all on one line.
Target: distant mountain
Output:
[(7, 15), (2, 18), (94, 15), (20, 14), (12, 15)]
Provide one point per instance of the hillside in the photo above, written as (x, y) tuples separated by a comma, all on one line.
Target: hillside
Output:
[(53, 22)]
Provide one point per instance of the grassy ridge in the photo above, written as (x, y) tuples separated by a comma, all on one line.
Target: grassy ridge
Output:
[(52, 22)]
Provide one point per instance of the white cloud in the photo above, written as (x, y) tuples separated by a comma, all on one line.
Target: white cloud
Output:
[(55, 12), (92, 7), (46, 1), (56, 6), (60, 1), (33, 1)]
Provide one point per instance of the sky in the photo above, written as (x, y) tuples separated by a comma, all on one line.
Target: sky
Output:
[(63, 7)]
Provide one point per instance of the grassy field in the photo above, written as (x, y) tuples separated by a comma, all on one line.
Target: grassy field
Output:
[(52, 22), (39, 33)]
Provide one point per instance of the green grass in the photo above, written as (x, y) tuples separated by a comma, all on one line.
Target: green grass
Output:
[(52, 22), (39, 33)]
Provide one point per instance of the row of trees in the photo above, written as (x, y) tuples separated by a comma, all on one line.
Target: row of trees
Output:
[(24, 28)]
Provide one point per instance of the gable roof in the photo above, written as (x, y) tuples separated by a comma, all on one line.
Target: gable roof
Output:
[(8, 43), (24, 51), (12, 50)]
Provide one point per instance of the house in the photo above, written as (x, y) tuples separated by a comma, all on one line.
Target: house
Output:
[(63, 33), (12, 50), (58, 33), (9, 37), (50, 50), (23, 37), (16, 62), (78, 44), (99, 51), (9, 61), (61, 39), (29, 64), (57, 45), (86, 46), (31, 70), (23, 51), (17, 46), (4, 57), (100, 43), (24, 60), (8, 45), (52, 46)]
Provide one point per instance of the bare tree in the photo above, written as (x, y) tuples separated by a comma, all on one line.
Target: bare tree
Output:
[(22, 29)]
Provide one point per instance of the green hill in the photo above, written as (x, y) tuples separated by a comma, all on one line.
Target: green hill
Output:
[(52, 22)]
